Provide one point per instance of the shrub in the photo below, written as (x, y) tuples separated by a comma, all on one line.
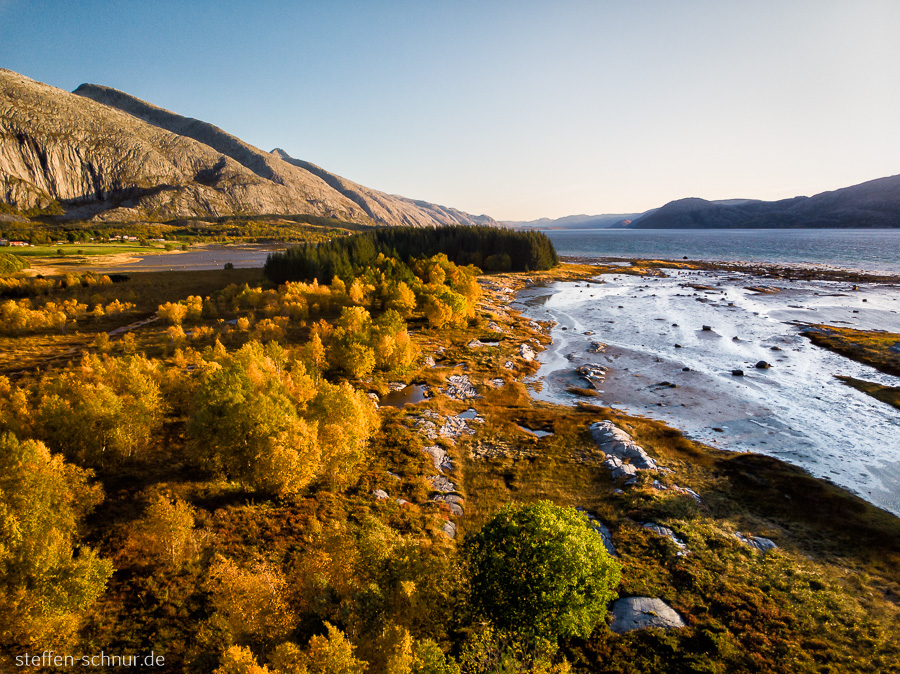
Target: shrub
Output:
[(541, 571)]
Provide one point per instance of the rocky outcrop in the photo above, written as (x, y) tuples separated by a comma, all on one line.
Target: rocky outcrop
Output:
[(106, 155), (612, 440)]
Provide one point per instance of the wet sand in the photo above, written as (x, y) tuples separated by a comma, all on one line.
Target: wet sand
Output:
[(796, 410)]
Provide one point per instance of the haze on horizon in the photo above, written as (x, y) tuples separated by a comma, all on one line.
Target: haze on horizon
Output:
[(517, 110)]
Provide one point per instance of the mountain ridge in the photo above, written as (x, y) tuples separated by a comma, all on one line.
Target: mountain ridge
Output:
[(102, 154)]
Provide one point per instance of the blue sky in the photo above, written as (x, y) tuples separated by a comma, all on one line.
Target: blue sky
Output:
[(520, 109)]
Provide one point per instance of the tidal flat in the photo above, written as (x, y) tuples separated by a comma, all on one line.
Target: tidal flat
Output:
[(662, 364)]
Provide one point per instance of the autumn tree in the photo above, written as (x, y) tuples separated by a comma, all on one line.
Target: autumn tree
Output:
[(345, 419), (245, 420), (251, 603), (101, 412), (166, 531), (46, 577), (325, 654)]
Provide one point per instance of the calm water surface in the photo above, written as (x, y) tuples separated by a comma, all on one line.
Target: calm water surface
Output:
[(876, 250)]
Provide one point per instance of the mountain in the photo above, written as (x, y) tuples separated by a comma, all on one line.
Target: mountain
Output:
[(577, 221), (875, 203), (106, 155)]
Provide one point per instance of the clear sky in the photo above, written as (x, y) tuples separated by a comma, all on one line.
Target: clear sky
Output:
[(516, 109)]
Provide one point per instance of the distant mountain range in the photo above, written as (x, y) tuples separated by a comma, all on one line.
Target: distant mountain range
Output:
[(101, 154), (875, 203)]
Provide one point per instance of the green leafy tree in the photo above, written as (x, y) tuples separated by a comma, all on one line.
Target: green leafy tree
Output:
[(542, 571), (46, 578)]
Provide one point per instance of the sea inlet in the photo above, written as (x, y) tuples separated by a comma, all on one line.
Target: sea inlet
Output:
[(663, 364)]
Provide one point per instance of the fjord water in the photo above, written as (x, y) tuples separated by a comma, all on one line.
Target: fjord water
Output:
[(876, 250), (797, 410)]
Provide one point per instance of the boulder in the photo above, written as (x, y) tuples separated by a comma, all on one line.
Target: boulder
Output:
[(442, 484), (439, 457), (452, 501), (737, 373), (762, 365), (626, 470), (380, 494), (637, 613), (613, 440), (758, 542), (449, 529), (526, 352)]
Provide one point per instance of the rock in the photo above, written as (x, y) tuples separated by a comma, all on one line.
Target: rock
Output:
[(571, 356), (401, 502), (526, 352), (455, 426), (459, 387), (374, 398), (428, 361), (509, 365), (775, 348), (439, 457), (449, 529), (685, 369), (612, 462), (475, 343), (636, 613), (613, 440), (605, 536), (393, 475), (494, 327), (396, 386), (758, 542), (626, 470), (596, 347), (737, 373), (707, 328), (380, 494), (442, 484), (762, 365), (452, 502), (666, 532), (678, 346)]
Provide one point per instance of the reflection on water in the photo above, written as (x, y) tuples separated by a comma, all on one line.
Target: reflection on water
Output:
[(195, 259), (538, 433), (409, 395)]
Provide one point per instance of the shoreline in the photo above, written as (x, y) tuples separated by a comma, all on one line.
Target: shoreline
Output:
[(798, 271), (706, 403)]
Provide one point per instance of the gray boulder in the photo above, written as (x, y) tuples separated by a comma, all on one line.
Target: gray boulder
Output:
[(757, 542), (637, 613), (449, 529)]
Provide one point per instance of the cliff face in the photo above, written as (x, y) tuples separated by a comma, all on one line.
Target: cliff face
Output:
[(107, 155)]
